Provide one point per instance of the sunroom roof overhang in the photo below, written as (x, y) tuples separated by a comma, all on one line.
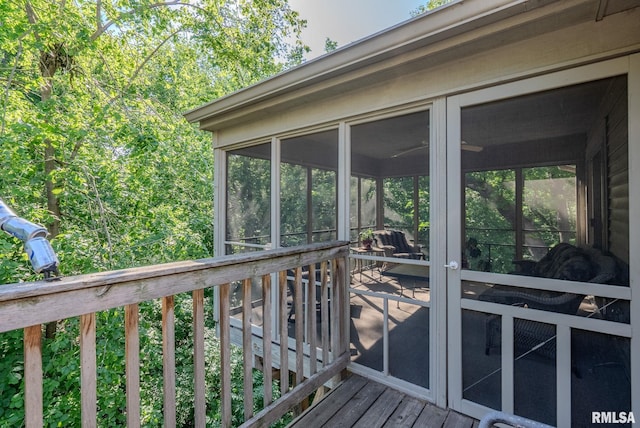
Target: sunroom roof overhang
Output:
[(459, 29)]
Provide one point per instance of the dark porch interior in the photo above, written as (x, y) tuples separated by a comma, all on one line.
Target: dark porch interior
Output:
[(600, 368)]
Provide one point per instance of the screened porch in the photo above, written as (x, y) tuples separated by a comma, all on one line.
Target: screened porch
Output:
[(536, 171)]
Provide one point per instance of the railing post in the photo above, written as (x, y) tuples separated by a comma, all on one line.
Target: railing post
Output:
[(198, 359), (266, 339), (335, 310), (345, 278), (132, 370), (169, 361), (225, 356), (247, 349), (33, 376), (284, 334), (311, 320), (88, 370), (324, 312), (299, 326)]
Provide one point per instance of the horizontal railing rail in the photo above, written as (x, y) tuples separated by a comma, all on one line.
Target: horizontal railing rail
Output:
[(29, 305)]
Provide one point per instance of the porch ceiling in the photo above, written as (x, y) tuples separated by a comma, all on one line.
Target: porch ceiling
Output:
[(548, 124), (549, 118)]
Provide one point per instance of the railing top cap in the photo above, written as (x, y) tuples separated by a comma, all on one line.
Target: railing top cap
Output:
[(326, 250)]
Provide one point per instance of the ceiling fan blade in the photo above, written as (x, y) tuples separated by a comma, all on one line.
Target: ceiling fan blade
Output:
[(470, 147), (406, 152), (464, 146)]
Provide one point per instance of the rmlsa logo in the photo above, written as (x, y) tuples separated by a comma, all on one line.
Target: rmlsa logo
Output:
[(612, 418)]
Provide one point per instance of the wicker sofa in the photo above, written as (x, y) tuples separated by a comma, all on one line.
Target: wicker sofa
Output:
[(564, 262)]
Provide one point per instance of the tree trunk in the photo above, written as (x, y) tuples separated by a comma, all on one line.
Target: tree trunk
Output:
[(53, 203), (48, 67)]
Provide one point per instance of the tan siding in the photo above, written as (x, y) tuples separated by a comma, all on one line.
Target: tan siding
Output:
[(618, 172)]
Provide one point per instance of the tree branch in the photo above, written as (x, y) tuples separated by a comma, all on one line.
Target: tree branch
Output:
[(102, 28), (101, 212), (98, 16), (31, 14), (146, 60), (9, 82)]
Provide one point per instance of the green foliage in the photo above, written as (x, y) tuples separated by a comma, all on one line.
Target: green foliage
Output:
[(431, 4), (293, 184), (249, 199), (549, 213), (398, 203), (330, 45), (366, 234), (100, 89), (93, 144)]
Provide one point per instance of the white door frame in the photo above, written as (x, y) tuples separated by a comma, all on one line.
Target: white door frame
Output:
[(630, 66)]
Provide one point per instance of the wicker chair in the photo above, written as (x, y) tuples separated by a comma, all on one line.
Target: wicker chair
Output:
[(394, 243)]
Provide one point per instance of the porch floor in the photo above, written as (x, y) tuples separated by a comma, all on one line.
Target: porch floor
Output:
[(362, 402)]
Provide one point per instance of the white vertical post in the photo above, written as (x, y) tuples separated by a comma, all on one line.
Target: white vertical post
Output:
[(633, 82), (563, 376), (275, 193), (437, 246), (385, 337), (507, 364), (344, 181), (220, 212), (219, 199), (275, 224), (453, 251)]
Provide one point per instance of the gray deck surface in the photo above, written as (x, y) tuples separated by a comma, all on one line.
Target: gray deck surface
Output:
[(361, 402)]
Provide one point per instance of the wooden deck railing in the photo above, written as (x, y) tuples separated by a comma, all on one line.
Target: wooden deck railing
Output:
[(27, 306)]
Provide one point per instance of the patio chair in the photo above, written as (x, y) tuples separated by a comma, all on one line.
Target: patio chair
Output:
[(394, 243)]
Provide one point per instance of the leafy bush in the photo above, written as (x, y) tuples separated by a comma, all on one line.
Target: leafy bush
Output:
[(61, 371)]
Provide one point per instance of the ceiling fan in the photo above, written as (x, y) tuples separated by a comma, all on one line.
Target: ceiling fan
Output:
[(424, 144)]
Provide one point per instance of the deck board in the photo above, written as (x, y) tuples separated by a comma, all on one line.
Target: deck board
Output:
[(365, 403), (381, 410), (431, 416), (406, 413), (347, 416), (456, 420), (317, 415)]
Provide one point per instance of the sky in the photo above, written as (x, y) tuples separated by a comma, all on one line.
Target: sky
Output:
[(345, 21)]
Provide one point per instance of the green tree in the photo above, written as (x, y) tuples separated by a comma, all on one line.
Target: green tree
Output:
[(92, 133), (93, 144)]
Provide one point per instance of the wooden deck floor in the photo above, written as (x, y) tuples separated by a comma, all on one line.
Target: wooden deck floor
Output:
[(360, 402)]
